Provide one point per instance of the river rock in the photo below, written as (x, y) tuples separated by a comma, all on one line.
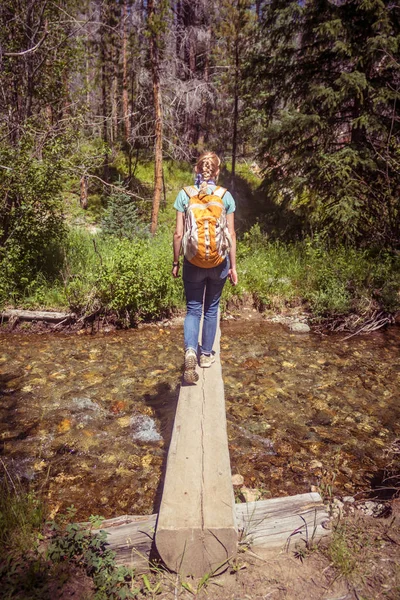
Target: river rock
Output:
[(237, 479), (298, 327), (315, 464), (249, 494), (144, 429), (372, 509), (348, 499)]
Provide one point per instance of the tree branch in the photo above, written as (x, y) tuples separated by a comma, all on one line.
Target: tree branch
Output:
[(30, 50)]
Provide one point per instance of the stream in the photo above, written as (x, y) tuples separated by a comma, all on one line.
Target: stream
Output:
[(87, 419)]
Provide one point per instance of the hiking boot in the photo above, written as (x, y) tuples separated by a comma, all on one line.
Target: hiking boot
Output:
[(206, 360), (190, 375)]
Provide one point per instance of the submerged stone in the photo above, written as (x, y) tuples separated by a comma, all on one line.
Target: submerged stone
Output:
[(298, 327), (145, 429)]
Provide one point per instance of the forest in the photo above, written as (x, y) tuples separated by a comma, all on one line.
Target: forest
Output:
[(105, 105)]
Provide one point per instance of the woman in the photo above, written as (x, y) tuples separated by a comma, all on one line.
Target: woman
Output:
[(204, 284)]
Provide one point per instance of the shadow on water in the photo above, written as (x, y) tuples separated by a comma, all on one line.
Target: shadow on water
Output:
[(164, 404), (10, 385)]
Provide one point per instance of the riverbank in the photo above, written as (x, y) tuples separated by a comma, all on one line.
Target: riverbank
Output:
[(125, 282), (294, 318), (360, 560)]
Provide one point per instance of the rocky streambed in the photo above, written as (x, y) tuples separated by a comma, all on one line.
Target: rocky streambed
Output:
[(87, 419)]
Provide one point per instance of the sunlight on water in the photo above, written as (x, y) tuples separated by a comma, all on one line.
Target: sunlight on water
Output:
[(87, 419)]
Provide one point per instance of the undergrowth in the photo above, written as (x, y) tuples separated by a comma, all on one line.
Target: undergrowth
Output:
[(132, 278), (122, 270)]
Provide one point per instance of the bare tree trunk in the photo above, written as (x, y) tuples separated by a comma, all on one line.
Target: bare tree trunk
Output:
[(155, 68), (258, 9), (87, 73), (235, 108), (125, 99), (104, 87), (205, 100), (84, 192), (114, 101)]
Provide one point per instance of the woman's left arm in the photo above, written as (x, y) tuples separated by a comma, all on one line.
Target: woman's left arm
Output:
[(233, 278)]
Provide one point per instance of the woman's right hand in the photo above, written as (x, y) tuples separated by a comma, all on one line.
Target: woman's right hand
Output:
[(233, 277)]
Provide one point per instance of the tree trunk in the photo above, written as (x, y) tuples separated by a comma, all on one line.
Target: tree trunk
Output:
[(84, 192), (203, 130), (125, 100), (104, 85), (114, 101), (235, 108), (158, 129)]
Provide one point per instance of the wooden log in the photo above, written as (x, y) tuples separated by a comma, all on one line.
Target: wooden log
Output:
[(131, 538), (196, 530), (272, 523), (276, 523), (37, 315)]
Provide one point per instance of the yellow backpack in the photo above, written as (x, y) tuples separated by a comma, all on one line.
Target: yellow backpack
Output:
[(206, 241)]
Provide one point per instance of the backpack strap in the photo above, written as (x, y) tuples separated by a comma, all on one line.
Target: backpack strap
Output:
[(191, 191), (219, 191)]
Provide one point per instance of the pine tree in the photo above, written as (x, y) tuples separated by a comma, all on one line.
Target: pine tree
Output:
[(234, 31), (156, 26), (326, 79)]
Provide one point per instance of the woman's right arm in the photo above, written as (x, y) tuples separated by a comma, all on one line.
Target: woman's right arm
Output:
[(178, 234)]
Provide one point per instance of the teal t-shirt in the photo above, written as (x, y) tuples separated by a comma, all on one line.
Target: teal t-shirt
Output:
[(182, 200)]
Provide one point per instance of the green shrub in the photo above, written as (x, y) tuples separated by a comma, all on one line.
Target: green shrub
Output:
[(22, 515), (136, 279), (89, 550), (332, 281), (31, 220)]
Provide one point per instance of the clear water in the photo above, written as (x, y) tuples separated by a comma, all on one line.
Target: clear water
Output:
[(88, 419)]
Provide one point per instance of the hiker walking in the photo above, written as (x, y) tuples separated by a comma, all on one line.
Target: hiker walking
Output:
[(205, 231)]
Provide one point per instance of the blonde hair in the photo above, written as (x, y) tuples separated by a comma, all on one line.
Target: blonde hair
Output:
[(208, 166)]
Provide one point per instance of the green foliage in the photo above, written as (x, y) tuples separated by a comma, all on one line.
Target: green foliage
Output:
[(325, 82), (341, 551), (83, 258), (121, 217), (89, 550), (136, 279), (31, 219), (21, 516), (332, 281)]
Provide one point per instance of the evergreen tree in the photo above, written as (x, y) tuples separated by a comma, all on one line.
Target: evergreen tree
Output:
[(234, 31), (326, 79), (122, 218)]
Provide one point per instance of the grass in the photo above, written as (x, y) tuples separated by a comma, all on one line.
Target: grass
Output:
[(327, 282), (21, 515)]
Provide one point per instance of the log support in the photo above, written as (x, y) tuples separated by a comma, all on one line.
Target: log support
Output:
[(278, 523)]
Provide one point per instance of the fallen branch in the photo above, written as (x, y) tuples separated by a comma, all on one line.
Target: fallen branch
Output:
[(30, 50), (377, 321), (37, 315), (118, 188)]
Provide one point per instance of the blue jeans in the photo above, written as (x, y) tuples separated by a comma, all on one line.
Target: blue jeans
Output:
[(203, 289)]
